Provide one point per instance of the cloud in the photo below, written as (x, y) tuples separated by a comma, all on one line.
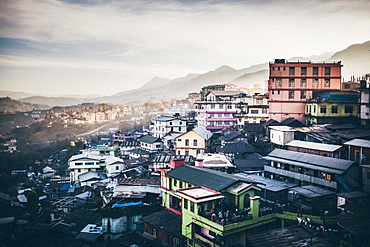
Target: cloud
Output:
[(170, 38)]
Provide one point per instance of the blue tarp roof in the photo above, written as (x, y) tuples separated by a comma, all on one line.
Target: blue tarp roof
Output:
[(65, 187), (128, 204)]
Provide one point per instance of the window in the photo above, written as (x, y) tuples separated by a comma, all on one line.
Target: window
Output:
[(327, 70), (334, 109), (347, 86), (186, 204), (186, 142), (212, 106), (315, 71), (175, 182), (348, 109), (291, 94), (272, 91), (278, 91), (254, 111), (179, 140), (291, 82), (220, 106), (195, 142), (315, 82), (170, 123), (186, 152), (117, 168), (303, 94), (229, 107), (327, 82), (192, 206), (259, 101), (291, 70), (304, 71), (78, 170), (264, 111), (278, 82), (303, 82), (314, 109), (153, 232), (323, 109), (278, 68), (180, 123)]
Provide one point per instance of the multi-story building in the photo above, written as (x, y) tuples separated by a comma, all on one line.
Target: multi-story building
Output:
[(114, 166), (193, 142), (83, 163), (151, 144), (255, 110), (364, 103), (166, 124), (329, 150), (216, 208), (217, 110), (330, 107), (292, 83), (337, 175)]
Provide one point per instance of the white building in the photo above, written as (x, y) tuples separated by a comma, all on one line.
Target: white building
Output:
[(114, 166), (281, 135), (217, 110), (166, 124), (83, 163)]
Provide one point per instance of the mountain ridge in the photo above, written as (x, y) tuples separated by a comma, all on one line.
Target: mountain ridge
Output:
[(250, 78)]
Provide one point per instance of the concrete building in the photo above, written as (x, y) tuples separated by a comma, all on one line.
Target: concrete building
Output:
[(166, 124), (217, 110), (193, 142), (364, 103), (331, 107), (292, 83), (83, 163), (281, 135), (255, 110), (328, 150), (309, 169)]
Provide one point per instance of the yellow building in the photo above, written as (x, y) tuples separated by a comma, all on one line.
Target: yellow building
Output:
[(193, 142)]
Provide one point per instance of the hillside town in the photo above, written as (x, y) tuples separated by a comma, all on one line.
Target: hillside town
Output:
[(287, 166)]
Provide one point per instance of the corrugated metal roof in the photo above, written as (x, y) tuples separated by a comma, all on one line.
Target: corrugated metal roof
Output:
[(271, 184), (87, 156), (149, 139), (203, 132), (359, 143), (112, 159), (312, 191), (311, 159), (204, 177), (225, 93), (282, 128), (314, 145), (166, 220)]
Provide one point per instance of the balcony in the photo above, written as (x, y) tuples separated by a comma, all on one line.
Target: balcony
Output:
[(221, 119), (302, 177)]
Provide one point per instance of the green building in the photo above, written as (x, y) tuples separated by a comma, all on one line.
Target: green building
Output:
[(216, 208)]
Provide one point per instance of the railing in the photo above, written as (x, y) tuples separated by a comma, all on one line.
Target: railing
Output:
[(302, 177)]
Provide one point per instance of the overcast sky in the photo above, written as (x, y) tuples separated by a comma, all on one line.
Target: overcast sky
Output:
[(108, 46)]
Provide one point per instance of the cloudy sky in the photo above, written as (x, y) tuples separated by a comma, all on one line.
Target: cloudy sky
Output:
[(107, 46)]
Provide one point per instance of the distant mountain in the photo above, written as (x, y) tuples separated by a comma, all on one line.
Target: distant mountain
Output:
[(15, 95), (54, 101), (355, 60), (10, 105)]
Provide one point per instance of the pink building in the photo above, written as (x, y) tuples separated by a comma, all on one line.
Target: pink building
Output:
[(291, 84)]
